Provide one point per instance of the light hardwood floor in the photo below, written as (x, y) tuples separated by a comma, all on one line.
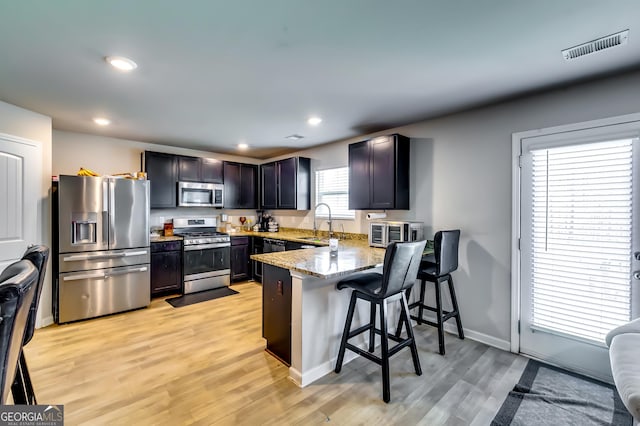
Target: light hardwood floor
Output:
[(205, 364)]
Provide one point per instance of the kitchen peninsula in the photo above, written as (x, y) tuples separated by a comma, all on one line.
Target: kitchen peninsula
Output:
[(318, 309)]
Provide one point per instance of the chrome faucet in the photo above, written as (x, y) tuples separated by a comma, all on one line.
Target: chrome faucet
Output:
[(315, 229)]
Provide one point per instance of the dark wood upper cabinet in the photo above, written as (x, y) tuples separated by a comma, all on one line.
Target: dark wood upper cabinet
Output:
[(287, 188), (248, 186), (269, 185), (240, 185), (211, 170), (195, 169), (188, 169), (379, 173), (359, 161), (166, 170), (162, 172), (286, 184)]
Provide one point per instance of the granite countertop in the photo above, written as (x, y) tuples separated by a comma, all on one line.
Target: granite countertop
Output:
[(302, 235), (162, 239), (352, 257)]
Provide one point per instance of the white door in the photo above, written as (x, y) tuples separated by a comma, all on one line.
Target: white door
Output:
[(579, 231), (20, 192)]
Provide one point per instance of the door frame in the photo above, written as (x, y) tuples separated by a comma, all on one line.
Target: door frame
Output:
[(516, 144)]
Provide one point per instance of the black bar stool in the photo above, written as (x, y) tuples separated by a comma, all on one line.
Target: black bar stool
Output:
[(437, 270), (400, 269), (22, 388), (17, 288)]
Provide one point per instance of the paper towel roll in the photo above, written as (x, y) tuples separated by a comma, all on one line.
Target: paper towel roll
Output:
[(376, 216)]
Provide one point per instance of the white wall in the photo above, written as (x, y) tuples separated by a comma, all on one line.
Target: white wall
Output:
[(36, 127), (461, 178), (106, 155)]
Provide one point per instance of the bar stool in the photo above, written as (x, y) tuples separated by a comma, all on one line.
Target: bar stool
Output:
[(22, 389), (445, 261), (17, 288), (400, 269)]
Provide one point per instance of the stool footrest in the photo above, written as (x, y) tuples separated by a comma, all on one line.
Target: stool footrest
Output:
[(359, 330), (394, 350), (364, 328), (361, 352), (446, 314)]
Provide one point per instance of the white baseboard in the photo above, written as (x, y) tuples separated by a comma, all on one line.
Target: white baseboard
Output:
[(482, 338), (451, 328), (319, 371), (44, 322)]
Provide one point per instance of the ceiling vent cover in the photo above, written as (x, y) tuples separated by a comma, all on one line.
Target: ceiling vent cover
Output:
[(594, 46)]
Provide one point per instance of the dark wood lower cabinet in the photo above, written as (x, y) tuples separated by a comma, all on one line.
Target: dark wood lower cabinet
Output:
[(240, 260), (276, 311), (166, 268)]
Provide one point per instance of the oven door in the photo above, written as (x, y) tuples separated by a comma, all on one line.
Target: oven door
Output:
[(206, 260)]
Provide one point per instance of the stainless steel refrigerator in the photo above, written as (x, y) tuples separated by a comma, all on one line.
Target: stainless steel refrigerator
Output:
[(102, 240)]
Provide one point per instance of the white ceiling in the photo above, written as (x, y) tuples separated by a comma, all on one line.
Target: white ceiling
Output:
[(215, 73)]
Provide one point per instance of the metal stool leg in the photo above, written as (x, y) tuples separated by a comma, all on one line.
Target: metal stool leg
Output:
[(454, 303), (421, 301), (372, 328), (399, 327), (439, 317), (345, 333), (414, 349), (384, 338), (19, 388)]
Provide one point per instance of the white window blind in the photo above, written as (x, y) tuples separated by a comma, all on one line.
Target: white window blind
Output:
[(581, 205), (332, 187)]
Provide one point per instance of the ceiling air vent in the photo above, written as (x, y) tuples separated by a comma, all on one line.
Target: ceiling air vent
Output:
[(294, 137), (603, 43)]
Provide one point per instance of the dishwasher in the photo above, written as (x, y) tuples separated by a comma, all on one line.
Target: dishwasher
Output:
[(271, 245), (264, 245)]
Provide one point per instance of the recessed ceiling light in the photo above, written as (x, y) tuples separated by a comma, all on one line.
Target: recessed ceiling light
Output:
[(121, 63), (100, 121), (294, 137), (243, 146), (314, 121)]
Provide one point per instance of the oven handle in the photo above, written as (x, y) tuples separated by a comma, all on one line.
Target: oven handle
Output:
[(206, 246)]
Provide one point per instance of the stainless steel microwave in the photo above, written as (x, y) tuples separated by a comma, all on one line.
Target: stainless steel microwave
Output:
[(383, 233), (196, 194)]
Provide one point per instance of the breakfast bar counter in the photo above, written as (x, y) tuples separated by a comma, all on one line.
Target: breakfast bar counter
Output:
[(318, 262), (318, 309)]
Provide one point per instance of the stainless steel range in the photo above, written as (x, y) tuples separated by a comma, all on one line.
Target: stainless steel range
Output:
[(207, 254)]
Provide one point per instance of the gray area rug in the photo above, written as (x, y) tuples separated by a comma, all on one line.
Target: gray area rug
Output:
[(547, 395)]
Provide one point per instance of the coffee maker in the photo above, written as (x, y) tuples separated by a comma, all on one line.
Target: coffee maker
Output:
[(263, 220)]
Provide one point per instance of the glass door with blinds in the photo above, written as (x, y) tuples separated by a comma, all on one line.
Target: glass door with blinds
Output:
[(579, 231)]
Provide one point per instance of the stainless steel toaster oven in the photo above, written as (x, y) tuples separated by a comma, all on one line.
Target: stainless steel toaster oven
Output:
[(385, 232)]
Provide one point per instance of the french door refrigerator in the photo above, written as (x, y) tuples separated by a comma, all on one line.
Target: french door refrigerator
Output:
[(102, 240)]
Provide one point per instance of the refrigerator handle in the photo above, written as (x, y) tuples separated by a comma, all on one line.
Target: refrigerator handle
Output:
[(105, 211), (125, 272), (112, 212)]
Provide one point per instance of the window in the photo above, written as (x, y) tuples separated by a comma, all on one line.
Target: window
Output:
[(582, 214), (332, 187)]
